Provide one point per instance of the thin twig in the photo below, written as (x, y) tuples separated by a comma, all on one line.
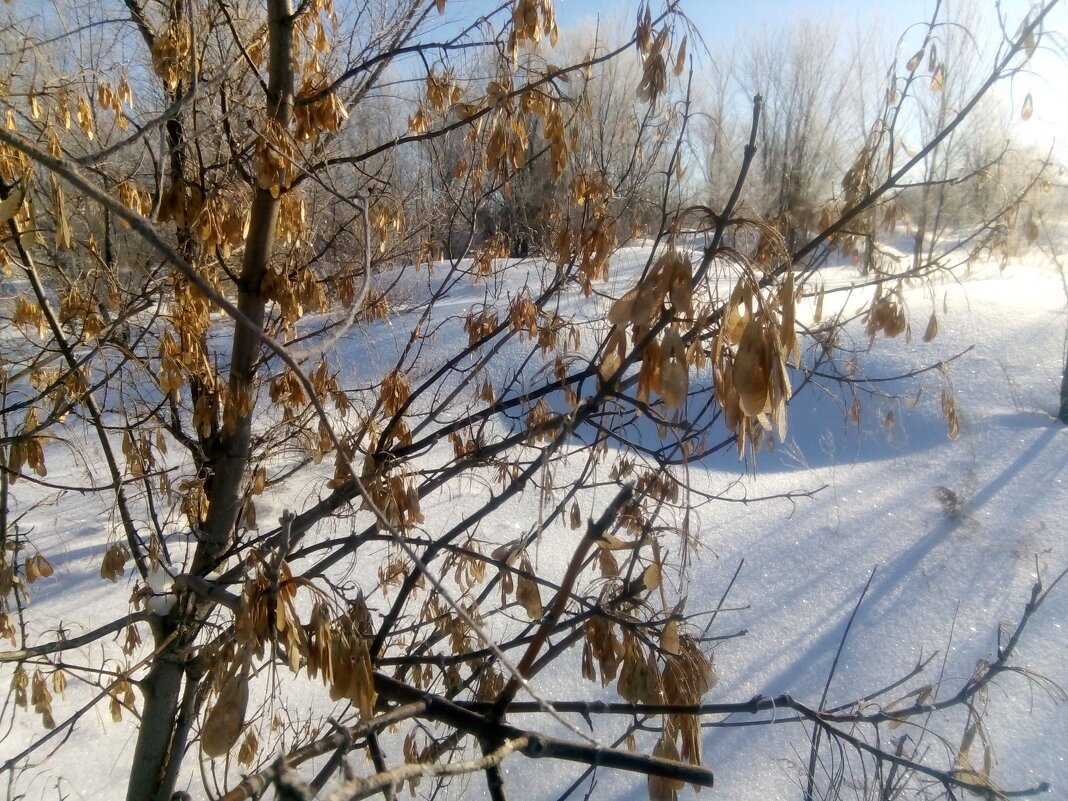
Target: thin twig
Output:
[(814, 750), (358, 788), (254, 784)]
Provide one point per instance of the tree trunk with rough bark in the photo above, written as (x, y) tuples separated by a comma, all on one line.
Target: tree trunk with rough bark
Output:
[(171, 686)]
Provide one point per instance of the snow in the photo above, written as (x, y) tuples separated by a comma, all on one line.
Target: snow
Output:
[(865, 506)]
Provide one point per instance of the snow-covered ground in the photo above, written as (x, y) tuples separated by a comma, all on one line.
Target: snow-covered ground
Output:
[(866, 498), (941, 582)]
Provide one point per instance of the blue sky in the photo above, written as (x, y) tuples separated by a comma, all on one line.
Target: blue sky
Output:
[(720, 21), (720, 18)]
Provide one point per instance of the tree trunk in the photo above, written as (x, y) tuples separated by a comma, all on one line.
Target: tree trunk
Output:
[(156, 744), (1063, 416), (166, 717), (230, 461)]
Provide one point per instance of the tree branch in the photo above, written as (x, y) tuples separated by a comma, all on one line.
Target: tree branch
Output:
[(357, 788), (58, 646), (538, 746), (253, 785)]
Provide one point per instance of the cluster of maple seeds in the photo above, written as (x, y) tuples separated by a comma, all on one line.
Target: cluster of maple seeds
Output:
[(74, 307), (442, 94), (294, 291), (222, 224), (134, 197), (506, 151), (185, 354), (386, 219), (276, 158), (749, 358), (541, 422), (658, 484), (532, 20), (28, 315), (467, 566), (122, 697), (26, 449), (268, 611), (396, 498), (887, 314), (114, 98), (85, 118), (58, 386), (114, 564), (223, 724), (171, 54), (34, 567), (441, 91), (652, 48), (464, 446), (480, 325), (416, 754), (527, 593), (949, 412), (508, 142), (554, 131), (40, 696), (523, 316), (311, 24), (64, 236), (333, 648), (593, 244), (139, 451), (194, 499), (857, 183), (323, 114), (338, 650), (496, 247), (686, 676), (170, 376), (664, 361), (182, 201), (318, 109)]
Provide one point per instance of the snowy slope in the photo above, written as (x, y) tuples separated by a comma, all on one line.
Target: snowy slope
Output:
[(867, 500)]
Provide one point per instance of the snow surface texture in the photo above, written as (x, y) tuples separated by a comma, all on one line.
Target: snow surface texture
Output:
[(953, 530)]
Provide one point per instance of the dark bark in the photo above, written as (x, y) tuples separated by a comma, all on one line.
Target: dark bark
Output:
[(168, 711), (231, 458), (1063, 416), (156, 745)]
